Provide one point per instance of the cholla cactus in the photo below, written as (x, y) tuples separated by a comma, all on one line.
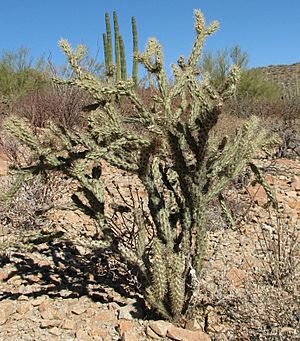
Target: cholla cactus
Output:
[(175, 161)]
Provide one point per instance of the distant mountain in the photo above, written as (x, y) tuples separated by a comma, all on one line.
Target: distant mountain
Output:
[(286, 76)]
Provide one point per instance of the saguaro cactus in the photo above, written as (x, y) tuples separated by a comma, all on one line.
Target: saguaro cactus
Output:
[(180, 168), (118, 71), (135, 52), (117, 47), (108, 47), (123, 59)]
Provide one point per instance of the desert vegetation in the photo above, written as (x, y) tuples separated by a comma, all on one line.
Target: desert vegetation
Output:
[(191, 146)]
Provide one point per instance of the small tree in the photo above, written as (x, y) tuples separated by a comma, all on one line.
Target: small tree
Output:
[(181, 170), (20, 75), (252, 84)]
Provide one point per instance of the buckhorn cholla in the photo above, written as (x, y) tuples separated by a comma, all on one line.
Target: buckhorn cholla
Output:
[(181, 170)]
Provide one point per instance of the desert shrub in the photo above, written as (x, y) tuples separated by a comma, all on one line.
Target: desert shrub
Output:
[(180, 167), (268, 306), (19, 74), (26, 205), (218, 65), (60, 104), (252, 85)]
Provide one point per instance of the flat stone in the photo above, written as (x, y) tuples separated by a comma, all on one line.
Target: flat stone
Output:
[(105, 316), (69, 324), (160, 327), (33, 278), (50, 323), (4, 275), (151, 334), (23, 298), (236, 276), (82, 335), (258, 194), (293, 203), (3, 167), (55, 331), (126, 325), (193, 324), (8, 307), (180, 334), (3, 317), (38, 301), (296, 183), (96, 331), (78, 309), (129, 336), (23, 308), (127, 312)]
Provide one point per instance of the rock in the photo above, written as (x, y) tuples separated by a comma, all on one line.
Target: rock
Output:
[(293, 203), (160, 327), (296, 183), (8, 308), (23, 298), (96, 331), (193, 324), (78, 309), (50, 323), (23, 308), (3, 167), (69, 324), (104, 316), (125, 326), (287, 330), (3, 317), (236, 276), (4, 275), (128, 312), (250, 262), (258, 194), (180, 334), (33, 278), (82, 335), (151, 334), (129, 336), (55, 331), (38, 301), (49, 312)]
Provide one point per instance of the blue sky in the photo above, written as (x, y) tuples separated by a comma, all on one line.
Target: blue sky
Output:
[(268, 30)]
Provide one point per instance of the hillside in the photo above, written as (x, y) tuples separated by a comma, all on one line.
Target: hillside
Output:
[(287, 76)]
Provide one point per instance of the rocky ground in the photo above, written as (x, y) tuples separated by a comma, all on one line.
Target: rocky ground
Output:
[(56, 283)]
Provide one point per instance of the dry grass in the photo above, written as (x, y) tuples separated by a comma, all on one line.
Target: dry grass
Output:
[(266, 303)]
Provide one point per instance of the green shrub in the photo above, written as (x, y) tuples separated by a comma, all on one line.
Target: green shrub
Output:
[(19, 74), (252, 84), (176, 161)]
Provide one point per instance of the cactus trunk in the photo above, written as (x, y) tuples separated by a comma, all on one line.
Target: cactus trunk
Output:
[(123, 59), (135, 52), (117, 47)]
